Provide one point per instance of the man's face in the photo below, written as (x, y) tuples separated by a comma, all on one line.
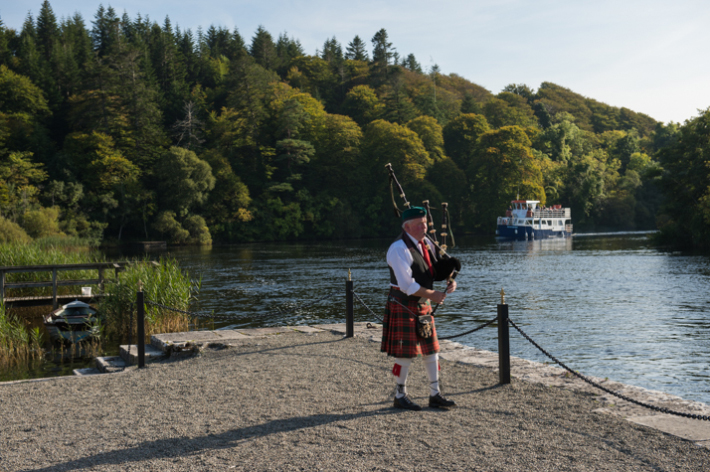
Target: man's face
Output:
[(416, 228)]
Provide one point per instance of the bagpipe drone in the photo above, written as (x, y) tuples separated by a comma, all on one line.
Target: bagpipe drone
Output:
[(446, 267)]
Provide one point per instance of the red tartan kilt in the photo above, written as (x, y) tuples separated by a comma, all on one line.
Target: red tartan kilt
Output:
[(399, 333)]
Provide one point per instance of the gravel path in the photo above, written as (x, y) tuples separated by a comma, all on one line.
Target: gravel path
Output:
[(316, 402)]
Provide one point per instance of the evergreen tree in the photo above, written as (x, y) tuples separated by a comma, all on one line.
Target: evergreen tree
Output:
[(76, 38), (221, 42), (5, 53), (170, 74), (287, 49), (28, 53), (47, 30), (105, 32), (398, 106), (263, 49), (382, 51), (332, 51), (356, 50), (67, 72), (410, 62)]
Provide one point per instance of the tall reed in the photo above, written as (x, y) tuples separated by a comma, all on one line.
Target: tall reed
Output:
[(165, 284), (40, 253), (18, 344)]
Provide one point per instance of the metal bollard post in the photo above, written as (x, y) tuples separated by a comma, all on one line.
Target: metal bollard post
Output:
[(141, 326), (503, 341), (349, 308)]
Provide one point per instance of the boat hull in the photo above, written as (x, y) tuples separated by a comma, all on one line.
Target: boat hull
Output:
[(523, 233), (74, 322), (76, 336)]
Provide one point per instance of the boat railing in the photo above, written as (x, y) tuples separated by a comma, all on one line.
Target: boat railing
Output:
[(553, 213)]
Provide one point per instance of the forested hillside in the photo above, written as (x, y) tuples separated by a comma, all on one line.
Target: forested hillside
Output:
[(122, 128)]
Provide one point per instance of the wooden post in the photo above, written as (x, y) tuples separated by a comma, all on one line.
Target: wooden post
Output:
[(503, 341), (141, 326), (55, 305), (349, 308), (2, 286)]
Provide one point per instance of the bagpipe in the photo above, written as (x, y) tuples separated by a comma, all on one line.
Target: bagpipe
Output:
[(446, 267)]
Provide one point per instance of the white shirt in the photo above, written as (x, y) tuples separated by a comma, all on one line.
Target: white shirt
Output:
[(400, 259)]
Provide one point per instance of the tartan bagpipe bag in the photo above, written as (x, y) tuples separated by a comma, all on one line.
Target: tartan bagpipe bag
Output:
[(424, 326)]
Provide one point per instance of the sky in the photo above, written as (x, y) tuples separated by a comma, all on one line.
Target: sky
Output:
[(649, 56)]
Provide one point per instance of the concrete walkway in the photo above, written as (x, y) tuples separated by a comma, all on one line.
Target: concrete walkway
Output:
[(522, 369), (305, 398)]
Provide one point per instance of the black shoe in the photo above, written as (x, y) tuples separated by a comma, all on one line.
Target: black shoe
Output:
[(406, 403), (438, 401)]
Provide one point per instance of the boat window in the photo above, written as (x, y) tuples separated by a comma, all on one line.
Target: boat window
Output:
[(528, 222)]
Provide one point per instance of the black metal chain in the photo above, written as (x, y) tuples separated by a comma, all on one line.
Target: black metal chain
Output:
[(487, 323), (601, 387), (368, 308), (232, 317), (455, 335)]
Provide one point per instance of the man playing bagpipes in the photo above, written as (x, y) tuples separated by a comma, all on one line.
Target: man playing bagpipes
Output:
[(408, 330)]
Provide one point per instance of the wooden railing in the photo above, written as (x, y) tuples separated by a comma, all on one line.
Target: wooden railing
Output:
[(101, 267)]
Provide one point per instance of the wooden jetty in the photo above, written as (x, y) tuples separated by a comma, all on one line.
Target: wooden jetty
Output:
[(55, 299)]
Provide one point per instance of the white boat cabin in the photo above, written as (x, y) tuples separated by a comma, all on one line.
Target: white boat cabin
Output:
[(529, 213)]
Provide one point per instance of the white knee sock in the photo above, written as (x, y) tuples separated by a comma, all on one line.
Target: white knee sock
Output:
[(432, 372), (401, 370)]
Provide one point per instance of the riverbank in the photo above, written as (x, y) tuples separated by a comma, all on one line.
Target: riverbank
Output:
[(317, 401)]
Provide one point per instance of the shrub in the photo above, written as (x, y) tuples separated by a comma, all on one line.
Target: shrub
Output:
[(78, 226), (12, 232), (42, 222), (167, 225), (199, 232), (163, 283)]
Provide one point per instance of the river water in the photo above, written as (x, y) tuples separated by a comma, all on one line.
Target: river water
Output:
[(608, 306)]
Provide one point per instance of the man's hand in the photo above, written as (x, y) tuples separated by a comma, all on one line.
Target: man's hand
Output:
[(437, 297), (451, 287)]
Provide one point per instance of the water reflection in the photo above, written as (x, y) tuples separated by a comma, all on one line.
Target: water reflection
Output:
[(608, 306), (558, 244)]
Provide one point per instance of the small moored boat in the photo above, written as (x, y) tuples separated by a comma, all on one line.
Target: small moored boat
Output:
[(74, 322), (525, 220)]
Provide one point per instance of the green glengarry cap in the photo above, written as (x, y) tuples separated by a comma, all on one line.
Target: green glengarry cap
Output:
[(413, 212)]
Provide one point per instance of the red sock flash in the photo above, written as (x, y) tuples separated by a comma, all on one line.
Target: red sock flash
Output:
[(396, 370)]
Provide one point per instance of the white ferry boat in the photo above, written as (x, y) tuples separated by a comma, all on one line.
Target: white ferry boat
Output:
[(526, 220)]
